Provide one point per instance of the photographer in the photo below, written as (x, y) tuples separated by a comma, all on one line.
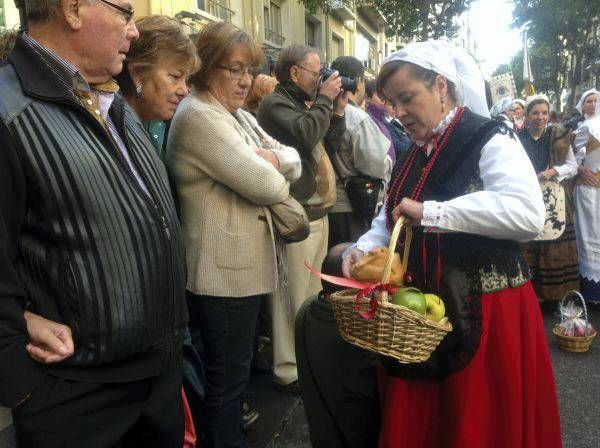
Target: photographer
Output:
[(285, 116), (360, 160)]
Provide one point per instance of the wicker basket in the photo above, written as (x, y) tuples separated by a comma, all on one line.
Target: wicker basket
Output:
[(576, 344), (394, 330)]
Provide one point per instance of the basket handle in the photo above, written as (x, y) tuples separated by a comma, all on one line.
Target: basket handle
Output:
[(387, 268), (578, 295)]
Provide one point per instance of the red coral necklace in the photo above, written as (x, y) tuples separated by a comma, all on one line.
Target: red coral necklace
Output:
[(438, 145)]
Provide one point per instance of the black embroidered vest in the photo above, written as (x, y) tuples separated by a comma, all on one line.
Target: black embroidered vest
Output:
[(459, 267)]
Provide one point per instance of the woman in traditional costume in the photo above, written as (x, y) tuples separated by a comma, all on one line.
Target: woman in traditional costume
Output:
[(519, 115), (554, 262), (587, 195), (503, 111), (471, 194)]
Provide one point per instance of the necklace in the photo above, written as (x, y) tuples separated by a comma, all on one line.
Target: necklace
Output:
[(397, 186)]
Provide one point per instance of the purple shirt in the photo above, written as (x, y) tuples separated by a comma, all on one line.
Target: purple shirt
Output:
[(378, 114)]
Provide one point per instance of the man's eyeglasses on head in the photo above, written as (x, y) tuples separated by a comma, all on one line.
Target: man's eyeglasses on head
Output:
[(237, 72), (127, 13)]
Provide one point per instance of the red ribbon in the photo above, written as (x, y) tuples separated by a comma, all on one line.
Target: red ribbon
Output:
[(367, 290), (340, 281), (371, 293)]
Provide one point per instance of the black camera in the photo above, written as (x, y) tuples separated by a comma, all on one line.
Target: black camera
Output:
[(348, 84)]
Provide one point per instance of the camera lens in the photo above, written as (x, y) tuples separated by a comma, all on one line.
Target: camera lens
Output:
[(348, 84)]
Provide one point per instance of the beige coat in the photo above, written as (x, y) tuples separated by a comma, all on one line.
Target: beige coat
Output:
[(224, 188)]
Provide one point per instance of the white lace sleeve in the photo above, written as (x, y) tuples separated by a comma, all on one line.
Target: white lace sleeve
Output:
[(510, 205)]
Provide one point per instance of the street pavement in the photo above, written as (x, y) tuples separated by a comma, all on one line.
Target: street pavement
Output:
[(282, 423)]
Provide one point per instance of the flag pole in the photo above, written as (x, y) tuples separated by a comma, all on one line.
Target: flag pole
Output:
[(528, 87)]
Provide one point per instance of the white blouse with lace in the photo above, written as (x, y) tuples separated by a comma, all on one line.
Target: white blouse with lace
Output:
[(510, 206)]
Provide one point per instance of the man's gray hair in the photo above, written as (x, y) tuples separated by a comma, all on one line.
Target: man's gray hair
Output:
[(43, 10), (290, 56)]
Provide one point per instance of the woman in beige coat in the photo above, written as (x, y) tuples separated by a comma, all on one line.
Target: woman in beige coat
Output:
[(226, 179)]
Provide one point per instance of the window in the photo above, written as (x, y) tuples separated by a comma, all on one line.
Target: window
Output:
[(361, 44), (373, 56), (366, 50), (337, 47), (272, 18), (311, 33), (218, 8)]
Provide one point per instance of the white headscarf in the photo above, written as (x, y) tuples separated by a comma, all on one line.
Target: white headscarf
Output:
[(532, 98), (519, 101), (501, 106), (579, 106), (454, 63)]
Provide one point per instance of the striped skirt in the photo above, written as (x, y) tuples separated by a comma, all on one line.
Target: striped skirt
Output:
[(554, 264)]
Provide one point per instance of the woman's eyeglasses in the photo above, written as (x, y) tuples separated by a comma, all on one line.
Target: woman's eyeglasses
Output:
[(238, 72), (127, 13)]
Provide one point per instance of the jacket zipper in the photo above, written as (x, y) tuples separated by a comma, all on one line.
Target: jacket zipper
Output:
[(167, 339), (124, 166), (148, 198)]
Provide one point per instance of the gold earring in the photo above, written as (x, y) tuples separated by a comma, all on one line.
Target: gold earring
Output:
[(138, 90), (443, 105)]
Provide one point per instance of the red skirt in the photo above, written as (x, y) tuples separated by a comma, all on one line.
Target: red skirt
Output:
[(505, 397)]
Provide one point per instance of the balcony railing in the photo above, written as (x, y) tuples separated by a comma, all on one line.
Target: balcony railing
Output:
[(274, 37), (217, 8), (343, 9)]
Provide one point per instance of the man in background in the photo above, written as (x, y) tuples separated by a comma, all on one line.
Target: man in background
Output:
[(285, 115), (360, 152)]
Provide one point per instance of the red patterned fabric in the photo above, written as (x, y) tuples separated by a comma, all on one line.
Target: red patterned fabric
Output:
[(505, 397)]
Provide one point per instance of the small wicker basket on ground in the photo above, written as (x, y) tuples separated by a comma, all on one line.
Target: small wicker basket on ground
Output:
[(394, 330), (576, 344)]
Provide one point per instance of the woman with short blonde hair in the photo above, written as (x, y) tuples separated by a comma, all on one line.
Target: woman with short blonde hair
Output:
[(228, 172), (155, 73)]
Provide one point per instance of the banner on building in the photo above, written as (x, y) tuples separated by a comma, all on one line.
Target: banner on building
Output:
[(502, 86)]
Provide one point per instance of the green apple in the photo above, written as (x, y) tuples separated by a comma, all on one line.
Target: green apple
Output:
[(435, 308), (411, 298)]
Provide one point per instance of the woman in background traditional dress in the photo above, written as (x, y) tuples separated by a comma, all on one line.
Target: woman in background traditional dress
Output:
[(587, 195), (503, 111), (519, 115), (554, 263)]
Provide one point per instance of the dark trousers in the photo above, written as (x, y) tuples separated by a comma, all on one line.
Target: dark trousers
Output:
[(223, 331), (64, 413), (338, 382), (345, 227), (193, 379)]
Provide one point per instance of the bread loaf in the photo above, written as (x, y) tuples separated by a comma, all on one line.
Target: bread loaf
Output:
[(370, 267)]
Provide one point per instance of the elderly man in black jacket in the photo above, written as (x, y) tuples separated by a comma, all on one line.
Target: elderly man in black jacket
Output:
[(89, 239)]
